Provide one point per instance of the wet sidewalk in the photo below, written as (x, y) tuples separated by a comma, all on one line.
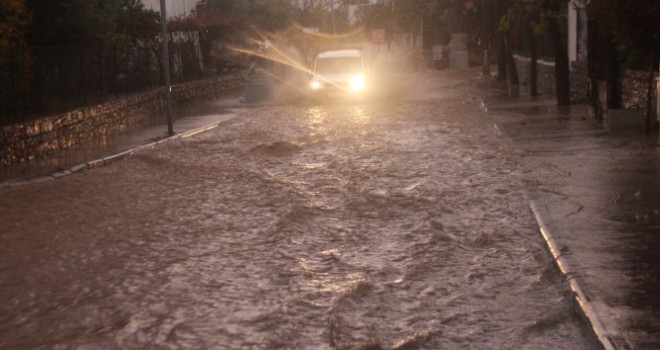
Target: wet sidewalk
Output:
[(187, 118), (598, 206)]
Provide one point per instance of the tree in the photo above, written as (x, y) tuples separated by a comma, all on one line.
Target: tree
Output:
[(228, 20), (15, 58), (376, 16), (537, 17), (510, 22), (60, 34), (552, 13), (84, 49), (409, 13), (136, 22), (633, 26)]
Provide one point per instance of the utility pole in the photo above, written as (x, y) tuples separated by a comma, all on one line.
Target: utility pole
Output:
[(166, 68)]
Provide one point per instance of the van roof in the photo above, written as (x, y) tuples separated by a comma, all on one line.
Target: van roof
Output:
[(340, 53)]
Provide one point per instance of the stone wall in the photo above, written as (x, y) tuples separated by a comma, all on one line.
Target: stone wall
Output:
[(546, 74), (633, 89), (38, 138), (579, 78), (633, 83), (580, 82)]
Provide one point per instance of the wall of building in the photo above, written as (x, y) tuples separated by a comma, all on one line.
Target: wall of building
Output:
[(38, 138)]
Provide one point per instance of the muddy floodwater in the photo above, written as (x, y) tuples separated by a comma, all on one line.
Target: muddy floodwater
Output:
[(400, 223)]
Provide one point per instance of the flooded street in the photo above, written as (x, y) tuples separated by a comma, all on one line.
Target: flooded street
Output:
[(397, 224), (601, 193)]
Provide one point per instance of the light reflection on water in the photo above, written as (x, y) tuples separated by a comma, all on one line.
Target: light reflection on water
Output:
[(361, 116), (317, 115)]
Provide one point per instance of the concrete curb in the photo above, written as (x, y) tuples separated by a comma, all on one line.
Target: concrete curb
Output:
[(586, 306), (105, 160)]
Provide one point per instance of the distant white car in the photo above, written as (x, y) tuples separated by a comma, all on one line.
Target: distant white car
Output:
[(339, 73)]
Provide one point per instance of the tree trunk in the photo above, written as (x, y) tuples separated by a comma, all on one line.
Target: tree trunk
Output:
[(562, 82), (83, 76), (100, 67), (12, 78), (205, 46), (533, 71), (36, 88), (61, 77), (113, 79), (127, 79), (614, 95), (501, 61), (510, 62), (649, 95)]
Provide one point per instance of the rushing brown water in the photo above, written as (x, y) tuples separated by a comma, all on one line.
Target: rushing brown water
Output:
[(397, 224)]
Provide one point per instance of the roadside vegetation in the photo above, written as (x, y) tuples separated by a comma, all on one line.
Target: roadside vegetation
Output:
[(58, 55)]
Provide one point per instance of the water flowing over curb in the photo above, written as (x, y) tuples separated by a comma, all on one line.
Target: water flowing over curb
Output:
[(105, 160), (586, 306)]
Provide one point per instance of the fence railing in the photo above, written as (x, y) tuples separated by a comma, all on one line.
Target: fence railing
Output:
[(60, 78)]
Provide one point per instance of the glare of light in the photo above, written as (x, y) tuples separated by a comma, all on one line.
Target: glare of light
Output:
[(315, 85), (361, 115), (357, 83), (316, 116)]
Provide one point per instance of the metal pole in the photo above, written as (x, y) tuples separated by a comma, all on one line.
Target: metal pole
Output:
[(166, 68)]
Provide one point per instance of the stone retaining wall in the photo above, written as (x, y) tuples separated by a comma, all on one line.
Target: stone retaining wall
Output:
[(633, 83), (580, 82), (546, 74), (38, 138), (633, 89)]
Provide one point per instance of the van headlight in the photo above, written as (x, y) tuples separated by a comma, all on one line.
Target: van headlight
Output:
[(315, 85), (358, 83)]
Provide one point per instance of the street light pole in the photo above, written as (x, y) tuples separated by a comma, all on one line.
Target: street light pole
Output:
[(166, 68)]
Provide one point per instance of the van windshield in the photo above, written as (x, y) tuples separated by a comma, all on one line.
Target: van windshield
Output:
[(338, 65)]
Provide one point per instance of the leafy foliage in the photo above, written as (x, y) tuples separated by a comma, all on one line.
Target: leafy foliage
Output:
[(14, 19), (15, 57), (634, 26), (60, 53)]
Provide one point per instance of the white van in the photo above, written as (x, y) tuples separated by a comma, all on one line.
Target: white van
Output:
[(339, 72)]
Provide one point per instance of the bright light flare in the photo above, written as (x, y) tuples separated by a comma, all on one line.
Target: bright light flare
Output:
[(278, 55), (358, 83)]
